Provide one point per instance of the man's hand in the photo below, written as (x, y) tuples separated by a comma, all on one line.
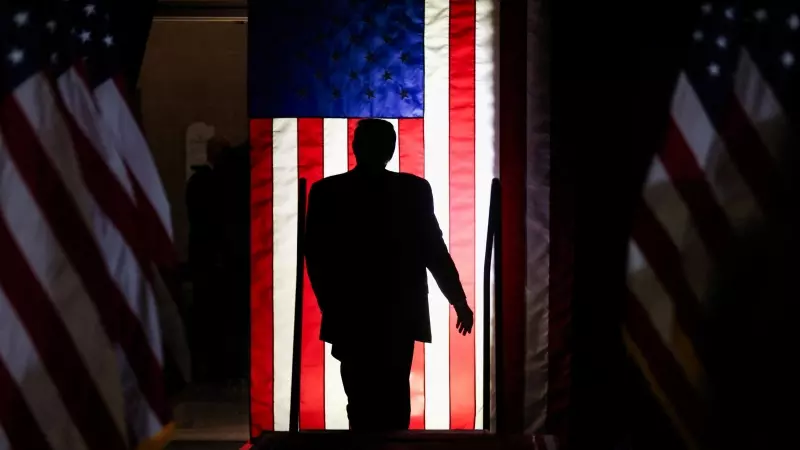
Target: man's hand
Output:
[(465, 318)]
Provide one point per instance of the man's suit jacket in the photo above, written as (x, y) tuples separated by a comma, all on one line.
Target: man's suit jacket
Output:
[(369, 239)]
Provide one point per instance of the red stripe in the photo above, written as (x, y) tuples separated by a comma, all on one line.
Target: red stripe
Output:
[(261, 281), (462, 204), (310, 151), (412, 146), (663, 256), (16, 420), (351, 131), (81, 249), (161, 247), (412, 160), (55, 346), (692, 184)]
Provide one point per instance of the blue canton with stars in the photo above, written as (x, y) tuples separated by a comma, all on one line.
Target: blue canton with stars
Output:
[(336, 58), (52, 36), (769, 33)]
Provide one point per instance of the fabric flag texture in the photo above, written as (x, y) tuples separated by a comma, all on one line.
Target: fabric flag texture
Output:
[(720, 171), (83, 221), (547, 308), (315, 70)]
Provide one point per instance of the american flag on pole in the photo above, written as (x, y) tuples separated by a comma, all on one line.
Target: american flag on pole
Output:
[(81, 206), (316, 68), (720, 170)]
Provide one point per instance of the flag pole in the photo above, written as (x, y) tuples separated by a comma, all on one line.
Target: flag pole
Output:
[(294, 408)]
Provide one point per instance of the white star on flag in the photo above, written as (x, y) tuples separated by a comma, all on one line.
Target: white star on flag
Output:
[(21, 18), (729, 13), (794, 22), (787, 59), (16, 56)]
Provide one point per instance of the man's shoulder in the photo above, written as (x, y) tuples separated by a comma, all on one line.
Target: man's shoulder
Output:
[(413, 181), (330, 183)]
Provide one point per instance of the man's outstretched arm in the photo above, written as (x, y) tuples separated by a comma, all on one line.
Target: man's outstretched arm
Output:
[(441, 265)]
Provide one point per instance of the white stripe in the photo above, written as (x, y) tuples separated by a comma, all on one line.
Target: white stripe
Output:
[(762, 106), (650, 293), (36, 100), (133, 148), (80, 104), (671, 211), (484, 172), (727, 184), (437, 166), (335, 162), (171, 324), (22, 360), (62, 285), (394, 163), (284, 215)]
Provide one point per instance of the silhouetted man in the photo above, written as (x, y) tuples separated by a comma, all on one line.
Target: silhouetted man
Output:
[(371, 235), (205, 238)]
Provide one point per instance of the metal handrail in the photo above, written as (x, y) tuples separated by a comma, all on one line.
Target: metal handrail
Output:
[(492, 245), (294, 407)]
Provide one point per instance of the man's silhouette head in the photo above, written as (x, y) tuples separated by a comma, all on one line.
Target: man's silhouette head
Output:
[(215, 147), (373, 143)]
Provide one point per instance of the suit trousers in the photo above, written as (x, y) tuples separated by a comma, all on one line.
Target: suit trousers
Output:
[(375, 376)]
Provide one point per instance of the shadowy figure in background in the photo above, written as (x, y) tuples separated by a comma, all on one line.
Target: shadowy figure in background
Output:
[(232, 310), (371, 235), (205, 239)]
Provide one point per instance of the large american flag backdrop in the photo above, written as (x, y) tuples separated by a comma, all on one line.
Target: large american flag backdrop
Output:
[(721, 170), (316, 68)]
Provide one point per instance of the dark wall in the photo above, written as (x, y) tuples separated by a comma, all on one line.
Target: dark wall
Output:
[(614, 65)]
